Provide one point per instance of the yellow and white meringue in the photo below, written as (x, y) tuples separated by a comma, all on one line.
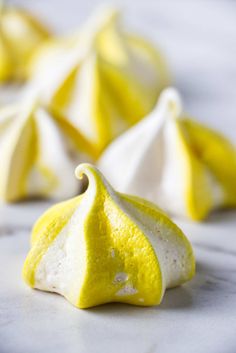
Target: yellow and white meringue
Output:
[(103, 247), (102, 79), (185, 167), (39, 150), (20, 36)]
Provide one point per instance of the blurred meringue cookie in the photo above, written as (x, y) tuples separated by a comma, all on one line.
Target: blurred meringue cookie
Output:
[(39, 150), (102, 79), (102, 247), (20, 35), (184, 166)]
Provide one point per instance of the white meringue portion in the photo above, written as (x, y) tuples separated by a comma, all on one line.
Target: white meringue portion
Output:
[(156, 160)]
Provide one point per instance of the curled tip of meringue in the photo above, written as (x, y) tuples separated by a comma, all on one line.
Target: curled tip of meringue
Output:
[(87, 169), (82, 169), (94, 177)]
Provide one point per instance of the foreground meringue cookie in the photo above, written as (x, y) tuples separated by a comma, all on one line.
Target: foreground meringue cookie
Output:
[(20, 35), (102, 79), (103, 247), (39, 150), (185, 167)]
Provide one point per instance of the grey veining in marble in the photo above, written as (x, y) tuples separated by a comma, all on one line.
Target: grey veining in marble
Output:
[(199, 39)]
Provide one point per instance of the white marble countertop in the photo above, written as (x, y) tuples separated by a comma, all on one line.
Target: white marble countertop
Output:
[(198, 317), (199, 38)]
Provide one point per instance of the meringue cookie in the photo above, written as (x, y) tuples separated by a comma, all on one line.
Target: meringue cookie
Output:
[(185, 167), (106, 80), (39, 150), (103, 247), (20, 35)]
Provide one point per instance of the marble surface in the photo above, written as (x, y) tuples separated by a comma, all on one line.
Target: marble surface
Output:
[(199, 39), (198, 317)]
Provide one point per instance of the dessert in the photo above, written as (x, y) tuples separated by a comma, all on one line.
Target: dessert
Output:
[(39, 150), (168, 158), (101, 78), (103, 246), (20, 35)]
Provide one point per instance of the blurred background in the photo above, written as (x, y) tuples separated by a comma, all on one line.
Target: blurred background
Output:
[(198, 38)]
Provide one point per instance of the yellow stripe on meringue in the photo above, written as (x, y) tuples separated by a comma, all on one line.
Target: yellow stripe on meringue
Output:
[(45, 232), (116, 230), (74, 135), (214, 151), (198, 193)]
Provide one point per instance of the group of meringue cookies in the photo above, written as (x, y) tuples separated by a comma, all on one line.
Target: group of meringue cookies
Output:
[(100, 81), (100, 98)]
